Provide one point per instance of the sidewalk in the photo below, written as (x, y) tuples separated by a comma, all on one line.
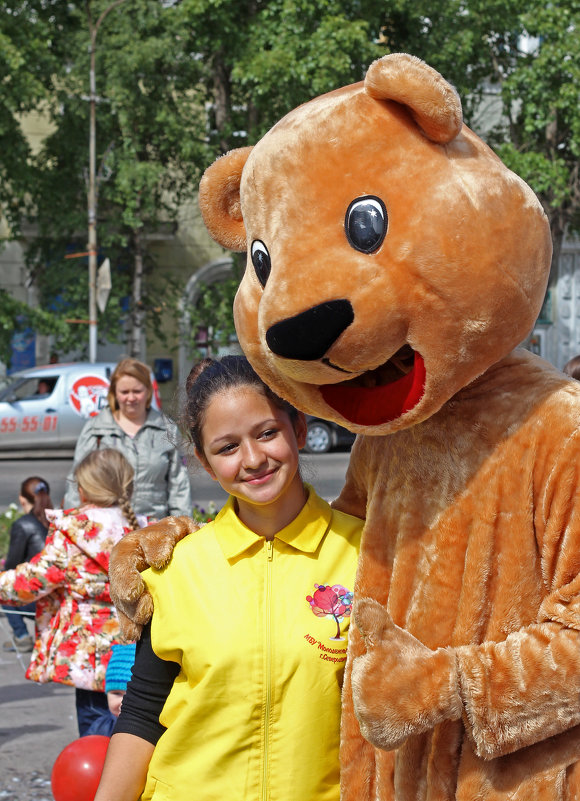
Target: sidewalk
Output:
[(36, 722)]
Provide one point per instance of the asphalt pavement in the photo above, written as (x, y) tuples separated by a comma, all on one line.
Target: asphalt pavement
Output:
[(36, 722), (55, 470), (326, 472)]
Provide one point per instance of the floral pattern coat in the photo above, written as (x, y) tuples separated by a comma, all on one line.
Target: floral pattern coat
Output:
[(76, 622)]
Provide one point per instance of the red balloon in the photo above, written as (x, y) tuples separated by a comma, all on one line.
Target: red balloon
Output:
[(77, 770)]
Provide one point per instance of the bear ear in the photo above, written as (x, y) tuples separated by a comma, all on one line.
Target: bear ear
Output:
[(219, 199), (434, 103)]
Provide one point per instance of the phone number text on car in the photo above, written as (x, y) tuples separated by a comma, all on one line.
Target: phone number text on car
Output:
[(28, 423)]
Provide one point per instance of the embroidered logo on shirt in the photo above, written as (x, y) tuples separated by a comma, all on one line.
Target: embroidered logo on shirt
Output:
[(333, 602)]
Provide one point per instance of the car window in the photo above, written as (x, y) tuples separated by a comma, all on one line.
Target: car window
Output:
[(29, 389)]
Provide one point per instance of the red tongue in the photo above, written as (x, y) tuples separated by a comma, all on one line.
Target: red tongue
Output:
[(371, 406)]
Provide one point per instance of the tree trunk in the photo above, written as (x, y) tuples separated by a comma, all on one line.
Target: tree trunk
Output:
[(136, 334), (223, 100), (557, 219)]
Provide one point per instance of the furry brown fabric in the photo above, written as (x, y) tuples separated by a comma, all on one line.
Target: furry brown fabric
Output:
[(151, 546), (472, 543), (463, 681)]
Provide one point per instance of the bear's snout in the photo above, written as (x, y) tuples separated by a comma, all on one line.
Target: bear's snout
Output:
[(308, 336)]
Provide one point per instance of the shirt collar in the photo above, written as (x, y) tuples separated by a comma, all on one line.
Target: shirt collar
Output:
[(304, 533), (106, 419)]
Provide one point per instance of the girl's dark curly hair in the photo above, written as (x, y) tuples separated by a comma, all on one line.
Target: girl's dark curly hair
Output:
[(210, 376)]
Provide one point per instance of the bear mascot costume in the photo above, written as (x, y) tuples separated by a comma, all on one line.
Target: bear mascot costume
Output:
[(394, 265)]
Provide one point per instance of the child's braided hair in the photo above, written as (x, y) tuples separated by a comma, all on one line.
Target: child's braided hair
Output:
[(106, 479)]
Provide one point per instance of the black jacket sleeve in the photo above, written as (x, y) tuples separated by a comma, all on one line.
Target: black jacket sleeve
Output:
[(151, 683), (27, 538)]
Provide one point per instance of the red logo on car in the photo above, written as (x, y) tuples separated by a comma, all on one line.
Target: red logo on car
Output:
[(88, 395)]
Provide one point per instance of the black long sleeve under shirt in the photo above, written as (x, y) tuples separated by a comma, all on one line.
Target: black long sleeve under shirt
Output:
[(147, 692)]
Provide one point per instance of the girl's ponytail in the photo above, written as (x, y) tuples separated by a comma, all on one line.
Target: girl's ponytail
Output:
[(106, 479), (129, 513)]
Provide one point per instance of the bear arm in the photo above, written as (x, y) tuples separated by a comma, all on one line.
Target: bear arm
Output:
[(520, 691), (148, 547), (526, 688), (400, 687)]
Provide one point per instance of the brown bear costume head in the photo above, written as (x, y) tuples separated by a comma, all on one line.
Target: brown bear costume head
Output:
[(392, 257)]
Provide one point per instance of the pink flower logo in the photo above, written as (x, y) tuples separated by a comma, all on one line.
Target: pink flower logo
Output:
[(333, 602)]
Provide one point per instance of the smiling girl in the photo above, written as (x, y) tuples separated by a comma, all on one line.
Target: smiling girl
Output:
[(236, 685)]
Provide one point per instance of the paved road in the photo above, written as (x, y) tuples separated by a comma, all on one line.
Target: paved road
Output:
[(36, 722), (325, 472), (14, 471)]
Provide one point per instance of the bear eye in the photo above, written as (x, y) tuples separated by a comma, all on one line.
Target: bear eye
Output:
[(365, 223), (261, 261)]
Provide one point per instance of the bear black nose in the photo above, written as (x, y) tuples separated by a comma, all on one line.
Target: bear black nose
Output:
[(308, 335)]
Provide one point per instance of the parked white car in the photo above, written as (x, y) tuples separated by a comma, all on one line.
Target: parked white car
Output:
[(46, 407)]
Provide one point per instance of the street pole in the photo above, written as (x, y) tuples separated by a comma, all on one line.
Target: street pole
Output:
[(92, 203), (92, 188)]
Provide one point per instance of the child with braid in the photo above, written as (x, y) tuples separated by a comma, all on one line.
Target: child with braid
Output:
[(76, 623)]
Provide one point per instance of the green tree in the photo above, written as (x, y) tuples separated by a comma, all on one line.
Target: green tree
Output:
[(261, 59), (150, 150), (540, 137), (160, 149), (16, 316), (29, 58)]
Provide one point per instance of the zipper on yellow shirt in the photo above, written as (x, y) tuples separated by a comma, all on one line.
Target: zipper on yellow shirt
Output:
[(269, 560)]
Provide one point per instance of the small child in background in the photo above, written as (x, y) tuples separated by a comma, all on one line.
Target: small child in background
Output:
[(116, 679), (75, 620)]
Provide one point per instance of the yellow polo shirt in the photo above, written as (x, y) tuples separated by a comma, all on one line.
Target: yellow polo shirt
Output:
[(260, 631)]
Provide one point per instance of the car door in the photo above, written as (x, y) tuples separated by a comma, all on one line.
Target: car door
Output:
[(29, 413)]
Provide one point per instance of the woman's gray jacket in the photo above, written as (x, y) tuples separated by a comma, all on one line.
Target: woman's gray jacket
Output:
[(161, 484)]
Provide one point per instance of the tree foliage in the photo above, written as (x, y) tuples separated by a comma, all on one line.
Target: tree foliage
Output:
[(29, 57), (150, 150), (263, 58), (540, 138), (16, 316), (181, 82)]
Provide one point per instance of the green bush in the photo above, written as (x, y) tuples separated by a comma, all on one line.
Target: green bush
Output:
[(204, 516), (6, 519)]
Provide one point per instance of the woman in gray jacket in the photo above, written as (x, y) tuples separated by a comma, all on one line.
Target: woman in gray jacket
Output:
[(145, 437)]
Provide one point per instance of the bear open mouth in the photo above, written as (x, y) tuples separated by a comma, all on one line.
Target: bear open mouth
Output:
[(380, 395)]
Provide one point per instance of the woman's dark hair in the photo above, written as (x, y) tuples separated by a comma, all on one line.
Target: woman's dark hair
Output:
[(210, 376), (37, 492), (572, 368)]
